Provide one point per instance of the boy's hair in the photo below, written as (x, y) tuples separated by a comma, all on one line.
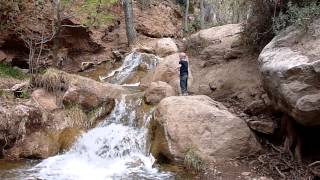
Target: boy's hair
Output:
[(182, 55)]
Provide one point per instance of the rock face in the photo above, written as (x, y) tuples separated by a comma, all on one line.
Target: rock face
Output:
[(165, 46), (161, 19), (157, 91), (18, 120), (290, 67), (166, 72), (198, 122), (227, 12)]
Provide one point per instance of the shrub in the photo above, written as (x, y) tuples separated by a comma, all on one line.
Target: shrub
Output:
[(295, 15), (270, 17), (193, 161), (52, 80)]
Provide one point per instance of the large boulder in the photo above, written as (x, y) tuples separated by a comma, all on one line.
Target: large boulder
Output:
[(165, 47), (290, 67), (157, 91), (37, 145), (198, 122), (166, 71), (216, 45), (17, 120)]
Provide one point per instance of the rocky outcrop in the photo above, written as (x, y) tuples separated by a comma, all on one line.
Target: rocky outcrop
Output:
[(157, 91), (199, 123), (166, 71), (49, 122), (17, 120), (165, 47), (161, 19), (227, 11), (216, 44), (290, 68)]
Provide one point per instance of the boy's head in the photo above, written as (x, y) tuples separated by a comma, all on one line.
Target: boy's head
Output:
[(182, 55)]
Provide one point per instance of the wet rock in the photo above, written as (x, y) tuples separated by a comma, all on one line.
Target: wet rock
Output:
[(68, 137), (86, 99), (118, 55), (290, 67), (265, 127), (165, 47), (144, 49), (157, 91), (256, 108), (86, 65), (45, 99), (181, 122), (38, 145), (245, 173), (166, 71)]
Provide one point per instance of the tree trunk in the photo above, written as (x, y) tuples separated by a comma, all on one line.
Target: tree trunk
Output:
[(56, 31), (128, 12), (186, 15), (202, 13)]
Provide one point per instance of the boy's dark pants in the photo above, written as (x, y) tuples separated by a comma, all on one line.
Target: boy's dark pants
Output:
[(184, 83)]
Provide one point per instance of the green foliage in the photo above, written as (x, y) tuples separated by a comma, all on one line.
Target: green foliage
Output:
[(295, 15), (9, 71), (96, 11), (193, 161)]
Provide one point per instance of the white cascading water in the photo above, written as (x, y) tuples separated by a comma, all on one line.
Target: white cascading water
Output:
[(116, 148), (130, 64)]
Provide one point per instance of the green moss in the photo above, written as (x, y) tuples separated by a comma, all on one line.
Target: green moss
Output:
[(9, 71)]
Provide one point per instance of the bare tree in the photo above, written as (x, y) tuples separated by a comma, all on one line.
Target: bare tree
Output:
[(202, 14), (186, 15), (56, 29), (128, 12)]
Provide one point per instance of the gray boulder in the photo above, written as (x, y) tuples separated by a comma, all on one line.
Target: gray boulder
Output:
[(290, 67)]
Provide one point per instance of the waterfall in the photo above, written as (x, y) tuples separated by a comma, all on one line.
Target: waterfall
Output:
[(129, 65), (115, 149)]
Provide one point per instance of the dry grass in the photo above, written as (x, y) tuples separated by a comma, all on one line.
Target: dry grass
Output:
[(77, 116), (52, 80), (193, 161)]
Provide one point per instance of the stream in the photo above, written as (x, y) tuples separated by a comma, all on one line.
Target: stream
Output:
[(116, 148)]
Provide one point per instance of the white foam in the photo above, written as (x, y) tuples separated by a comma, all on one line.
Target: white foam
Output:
[(112, 150)]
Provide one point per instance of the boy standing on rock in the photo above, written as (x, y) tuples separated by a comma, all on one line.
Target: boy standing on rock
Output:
[(184, 66)]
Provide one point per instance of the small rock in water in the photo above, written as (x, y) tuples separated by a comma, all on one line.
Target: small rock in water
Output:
[(245, 173), (86, 65)]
